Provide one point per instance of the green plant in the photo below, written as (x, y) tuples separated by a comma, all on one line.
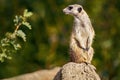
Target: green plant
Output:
[(10, 44)]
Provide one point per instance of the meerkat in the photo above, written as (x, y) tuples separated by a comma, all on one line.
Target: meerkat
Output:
[(82, 35)]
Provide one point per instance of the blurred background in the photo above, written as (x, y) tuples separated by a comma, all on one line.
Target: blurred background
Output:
[(47, 43)]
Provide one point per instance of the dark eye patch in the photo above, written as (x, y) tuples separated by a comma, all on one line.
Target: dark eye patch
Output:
[(70, 7), (79, 9)]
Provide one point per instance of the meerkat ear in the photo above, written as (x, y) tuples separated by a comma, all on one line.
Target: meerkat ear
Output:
[(79, 9)]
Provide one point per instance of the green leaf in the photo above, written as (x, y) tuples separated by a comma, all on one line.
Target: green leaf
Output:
[(27, 14), (16, 20), (5, 42), (17, 46), (4, 55), (21, 34), (27, 24)]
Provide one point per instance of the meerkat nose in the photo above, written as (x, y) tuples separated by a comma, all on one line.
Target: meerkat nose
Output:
[(64, 10)]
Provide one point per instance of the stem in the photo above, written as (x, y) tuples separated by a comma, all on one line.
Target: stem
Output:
[(17, 27)]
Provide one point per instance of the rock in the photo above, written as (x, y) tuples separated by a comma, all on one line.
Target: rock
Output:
[(38, 75), (77, 71)]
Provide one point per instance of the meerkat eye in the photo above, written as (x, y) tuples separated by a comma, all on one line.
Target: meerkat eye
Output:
[(70, 7), (79, 9)]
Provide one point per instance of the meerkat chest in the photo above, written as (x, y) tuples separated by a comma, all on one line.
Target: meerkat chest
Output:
[(80, 29)]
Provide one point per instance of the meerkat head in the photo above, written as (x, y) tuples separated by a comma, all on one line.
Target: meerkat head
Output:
[(73, 9)]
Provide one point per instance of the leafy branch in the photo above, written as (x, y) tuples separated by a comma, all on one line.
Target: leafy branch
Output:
[(9, 44)]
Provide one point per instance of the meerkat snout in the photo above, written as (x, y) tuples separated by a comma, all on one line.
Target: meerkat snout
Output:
[(68, 10), (73, 9)]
